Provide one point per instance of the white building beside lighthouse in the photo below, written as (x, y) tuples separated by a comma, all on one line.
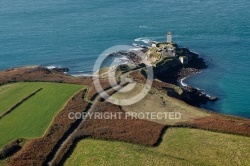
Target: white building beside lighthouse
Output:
[(165, 49), (161, 50)]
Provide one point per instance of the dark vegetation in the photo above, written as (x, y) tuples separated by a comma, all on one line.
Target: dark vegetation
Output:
[(224, 124), (144, 72), (123, 129), (93, 92), (167, 69), (40, 74), (10, 148), (123, 68)]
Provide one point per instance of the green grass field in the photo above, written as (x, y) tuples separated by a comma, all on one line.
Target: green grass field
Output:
[(32, 117), (180, 146), (10, 94)]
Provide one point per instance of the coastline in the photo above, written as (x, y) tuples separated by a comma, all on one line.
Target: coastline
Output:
[(182, 81), (175, 73), (212, 121), (197, 93), (187, 72)]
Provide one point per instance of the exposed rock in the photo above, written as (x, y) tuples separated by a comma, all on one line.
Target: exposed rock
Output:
[(132, 56), (171, 70), (185, 72), (61, 70), (198, 63), (196, 97)]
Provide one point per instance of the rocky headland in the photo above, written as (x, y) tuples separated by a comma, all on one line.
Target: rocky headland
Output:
[(171, 70)]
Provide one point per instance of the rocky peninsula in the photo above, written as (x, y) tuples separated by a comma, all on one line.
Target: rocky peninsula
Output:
[(169, 66)]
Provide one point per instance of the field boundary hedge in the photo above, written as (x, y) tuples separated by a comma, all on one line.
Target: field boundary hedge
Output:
[(19, 103)]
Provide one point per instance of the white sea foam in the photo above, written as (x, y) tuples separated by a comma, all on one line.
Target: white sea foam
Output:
[(182, 83), (183, 79), (79, 71), (145, 40), (82, 75), (143, 26), (138, 48), (146, 27), (51, 67), (121, 60)]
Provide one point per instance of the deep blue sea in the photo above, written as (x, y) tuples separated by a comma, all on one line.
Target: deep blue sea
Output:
[(73, 33)]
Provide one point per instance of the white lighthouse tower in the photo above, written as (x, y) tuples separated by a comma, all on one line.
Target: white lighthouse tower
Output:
[(169, 37)]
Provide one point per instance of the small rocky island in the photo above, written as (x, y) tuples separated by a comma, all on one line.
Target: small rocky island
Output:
[(171, 64)]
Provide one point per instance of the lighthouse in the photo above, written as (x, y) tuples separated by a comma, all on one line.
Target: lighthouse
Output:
[(169, 37)]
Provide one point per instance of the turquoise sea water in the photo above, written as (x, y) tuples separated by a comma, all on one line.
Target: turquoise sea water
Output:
[(73, 33)]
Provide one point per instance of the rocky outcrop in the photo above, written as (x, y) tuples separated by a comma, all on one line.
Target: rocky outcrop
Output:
[(60, 70), (167, 69), (187, 71), (195, 96), (197, 63), (172, 71)]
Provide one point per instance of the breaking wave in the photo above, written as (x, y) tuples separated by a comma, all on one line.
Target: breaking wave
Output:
[(52, 66), (146, 27), (145, 40)]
